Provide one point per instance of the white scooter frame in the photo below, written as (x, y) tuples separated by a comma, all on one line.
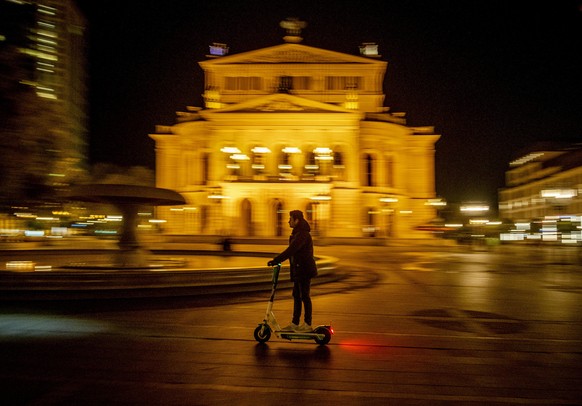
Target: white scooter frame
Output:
[(320, 334)]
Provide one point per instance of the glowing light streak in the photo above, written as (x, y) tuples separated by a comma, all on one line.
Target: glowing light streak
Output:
[(388, 200), (230, 150), (527, 158), (261, 150), (239, 157), (291, 150), (476, 208), (321, 197), (322, 150), (559, 193)]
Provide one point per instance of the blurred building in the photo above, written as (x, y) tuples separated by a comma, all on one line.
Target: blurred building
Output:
[(296, 127), (43, 91), (543, 180)]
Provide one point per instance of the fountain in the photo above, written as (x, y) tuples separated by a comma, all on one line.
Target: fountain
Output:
[(127, 199), (132, 271)]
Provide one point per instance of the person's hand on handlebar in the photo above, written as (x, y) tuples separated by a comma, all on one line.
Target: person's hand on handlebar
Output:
[(271, 263)]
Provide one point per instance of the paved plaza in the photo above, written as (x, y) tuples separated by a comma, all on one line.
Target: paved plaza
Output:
[(415, 325)]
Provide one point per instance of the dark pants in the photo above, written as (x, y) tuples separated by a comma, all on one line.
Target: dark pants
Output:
[(301, 290)]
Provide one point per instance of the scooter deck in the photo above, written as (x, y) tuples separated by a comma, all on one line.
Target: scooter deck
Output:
[(299, 335)]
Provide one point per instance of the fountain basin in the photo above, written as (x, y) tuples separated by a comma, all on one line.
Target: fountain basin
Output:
[(214, 272)]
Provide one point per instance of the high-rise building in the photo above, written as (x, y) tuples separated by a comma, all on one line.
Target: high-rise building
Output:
[(296, 127), (44, 97)]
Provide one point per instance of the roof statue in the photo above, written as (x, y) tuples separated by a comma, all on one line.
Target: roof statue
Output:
[(293, 27)]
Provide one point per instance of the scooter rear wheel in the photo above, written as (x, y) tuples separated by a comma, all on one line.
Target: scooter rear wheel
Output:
[(327, 335), (262, 333)]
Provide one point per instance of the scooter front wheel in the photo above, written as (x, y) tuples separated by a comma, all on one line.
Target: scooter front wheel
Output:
[(326, 335), (262, 333)]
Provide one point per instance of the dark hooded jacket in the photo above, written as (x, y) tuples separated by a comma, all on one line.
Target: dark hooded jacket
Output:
[(300, 253)]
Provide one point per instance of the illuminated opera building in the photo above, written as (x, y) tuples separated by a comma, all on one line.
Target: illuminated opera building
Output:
[(296, 127)]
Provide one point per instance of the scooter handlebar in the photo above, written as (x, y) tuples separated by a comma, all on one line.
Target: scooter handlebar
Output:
[(276, 270)]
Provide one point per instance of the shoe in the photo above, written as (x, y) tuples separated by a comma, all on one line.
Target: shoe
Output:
[(304, 328), (291, 327)]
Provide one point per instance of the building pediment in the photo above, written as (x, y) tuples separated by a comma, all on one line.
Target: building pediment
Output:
[(278, 103), (290, 54)]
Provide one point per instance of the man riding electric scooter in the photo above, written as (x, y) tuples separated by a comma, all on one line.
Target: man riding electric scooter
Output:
[(302, 269)]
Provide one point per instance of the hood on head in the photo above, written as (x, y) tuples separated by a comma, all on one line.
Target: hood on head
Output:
[(302, 226)]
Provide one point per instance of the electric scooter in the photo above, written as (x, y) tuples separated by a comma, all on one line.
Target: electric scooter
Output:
[(320, 334)]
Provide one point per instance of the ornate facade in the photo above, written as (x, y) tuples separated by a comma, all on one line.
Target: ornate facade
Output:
[(295, 127)]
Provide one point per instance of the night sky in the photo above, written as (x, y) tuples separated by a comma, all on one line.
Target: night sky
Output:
[(492, 77)]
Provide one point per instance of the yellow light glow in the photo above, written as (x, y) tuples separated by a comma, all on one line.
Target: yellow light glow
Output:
[(38, 54), (321, 197), (559, 193), (230, 150), (388, 199), (46, 33), (261, 150), (291, 150), (239, 157), (20, 265), (435, 202), (322, 150), (474, 208), (46, 95), (526, 158), (46, 41)]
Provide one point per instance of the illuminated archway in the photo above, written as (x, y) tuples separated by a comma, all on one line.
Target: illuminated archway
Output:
[(279, 218), (246, 218)]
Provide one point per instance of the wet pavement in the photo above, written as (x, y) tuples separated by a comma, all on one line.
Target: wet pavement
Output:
[(434, 325)]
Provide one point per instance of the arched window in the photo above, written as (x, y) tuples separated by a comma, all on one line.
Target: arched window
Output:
[(390, 171), (369, 228), (279, 219), (258, 163), (368, 170), (338, 165), (311, 166), (204, 219), (205, 168), (311, 214), (284, 164), (247, 218)]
